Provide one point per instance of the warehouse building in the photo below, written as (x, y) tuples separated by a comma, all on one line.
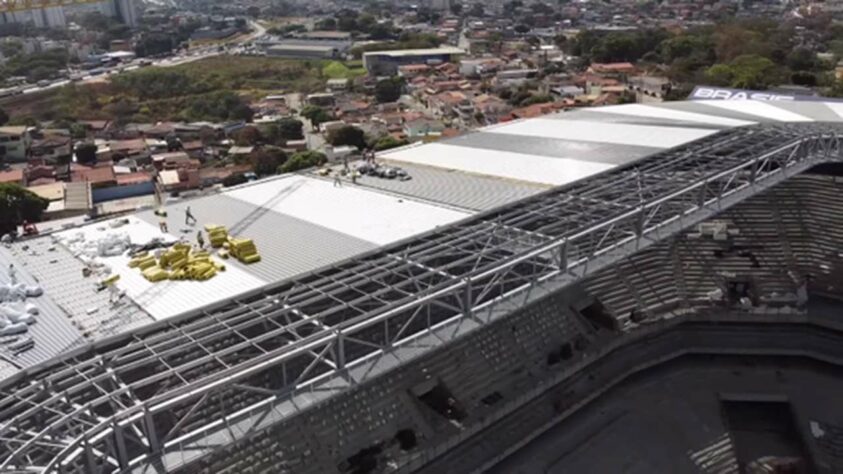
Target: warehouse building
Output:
[(386, 63)]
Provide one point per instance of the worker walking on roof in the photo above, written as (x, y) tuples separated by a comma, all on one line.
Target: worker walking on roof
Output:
[(200, 239), (13, 274), (188, 216)]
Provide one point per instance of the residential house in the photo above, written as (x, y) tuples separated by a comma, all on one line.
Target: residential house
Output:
[(40, 174), (173, 160), (13, 176), (612, 69), (195, 149), (491, 107), (423, 128), (135, 148), (100, 175), (411, 71), (537, 110), (15, 143), (450, 104), (51, 149)]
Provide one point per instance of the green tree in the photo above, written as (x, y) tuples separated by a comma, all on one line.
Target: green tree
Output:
[(753, 72), (18, 204), (521, 28), (248, 136), (326, 24), (86, 153), (302, 160), (389, 90), (267, 161), (348, 135), (154, 44), (720, 75), (316, 115), (387, 142), (456, 8), (291, 129), (801, 59)]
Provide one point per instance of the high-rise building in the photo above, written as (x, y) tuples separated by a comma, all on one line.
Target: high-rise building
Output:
[(52, 17), (123, 10), (440, 4)]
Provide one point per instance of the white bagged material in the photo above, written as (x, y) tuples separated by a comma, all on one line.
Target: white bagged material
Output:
[(11, 329)]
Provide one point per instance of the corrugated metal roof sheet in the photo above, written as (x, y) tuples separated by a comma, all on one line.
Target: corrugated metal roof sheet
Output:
[(454, 188), (288, 246), (60, 274), (52, 332)]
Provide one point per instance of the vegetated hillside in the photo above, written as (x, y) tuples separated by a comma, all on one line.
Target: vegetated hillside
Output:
[(214, 89)]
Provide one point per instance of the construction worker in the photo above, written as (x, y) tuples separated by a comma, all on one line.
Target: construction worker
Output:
[(200, 239), (114, 294), (337, 180), (13, 274), (162, 225), (188, 216)]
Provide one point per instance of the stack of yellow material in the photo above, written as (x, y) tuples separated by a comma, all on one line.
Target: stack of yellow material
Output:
[(142, 261), (243, 250), (217, 235), (155, 273), (179, 262)]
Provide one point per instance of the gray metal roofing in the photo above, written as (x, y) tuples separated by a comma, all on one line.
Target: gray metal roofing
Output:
[(288, 245), (703, 108), (84, 308), (553, 147), (52, 332), (454, 188), (594, 115)]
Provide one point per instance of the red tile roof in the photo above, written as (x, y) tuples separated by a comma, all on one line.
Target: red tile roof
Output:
[(133, 178), (93, 175), (11, 176)]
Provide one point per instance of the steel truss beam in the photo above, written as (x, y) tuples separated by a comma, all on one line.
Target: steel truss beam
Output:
[(172, 386)]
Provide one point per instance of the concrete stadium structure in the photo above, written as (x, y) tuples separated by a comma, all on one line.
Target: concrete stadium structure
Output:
[(628, 246)]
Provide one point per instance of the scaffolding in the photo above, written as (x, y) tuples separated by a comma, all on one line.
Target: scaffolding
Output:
[(175, 391)]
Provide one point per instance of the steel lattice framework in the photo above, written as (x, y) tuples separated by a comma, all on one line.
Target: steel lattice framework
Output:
[(214, 376)]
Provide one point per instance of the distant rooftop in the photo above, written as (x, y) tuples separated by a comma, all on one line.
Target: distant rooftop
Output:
[(416, 52)]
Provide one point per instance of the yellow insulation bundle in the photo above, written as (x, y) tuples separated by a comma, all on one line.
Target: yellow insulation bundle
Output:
[(179, 262), (155, 273), (243, 250), (217, 235)]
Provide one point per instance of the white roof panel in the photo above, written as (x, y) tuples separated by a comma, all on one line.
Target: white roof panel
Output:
[(516, 166), (371, 216), (648, 111), (758, 108), (836, 107), (616, 133), (167, 298)]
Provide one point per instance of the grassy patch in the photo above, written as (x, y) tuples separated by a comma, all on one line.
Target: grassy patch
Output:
[(338, 70), (192, 91)]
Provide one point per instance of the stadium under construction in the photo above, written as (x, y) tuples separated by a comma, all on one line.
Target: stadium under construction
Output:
[(636, 288)]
